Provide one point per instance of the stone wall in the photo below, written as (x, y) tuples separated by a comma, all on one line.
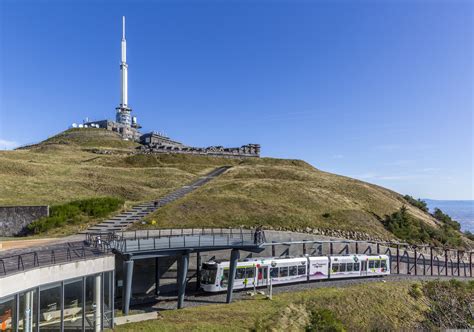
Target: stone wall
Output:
[(245, 151), (14, 219)]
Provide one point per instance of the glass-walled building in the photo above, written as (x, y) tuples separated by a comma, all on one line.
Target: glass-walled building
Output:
[(78, 304)]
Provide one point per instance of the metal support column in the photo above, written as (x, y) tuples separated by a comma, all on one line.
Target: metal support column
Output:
[(470, 264), (398, 259), (234, 257), (458, 264), (183, 272), (157, 276), (98, 303), (357, 248), (446, 261), (431, 260), (198, 270), (127, 285), (416, 262), (304, 248), (273, 250)]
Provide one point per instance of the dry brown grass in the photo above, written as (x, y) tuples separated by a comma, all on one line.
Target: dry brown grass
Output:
[(274, 192), (288, 196), (365, 307)]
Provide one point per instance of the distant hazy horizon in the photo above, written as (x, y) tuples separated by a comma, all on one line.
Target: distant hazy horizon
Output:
[(459, 210)]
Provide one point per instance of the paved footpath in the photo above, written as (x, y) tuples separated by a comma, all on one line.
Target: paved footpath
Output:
[(125, 219)]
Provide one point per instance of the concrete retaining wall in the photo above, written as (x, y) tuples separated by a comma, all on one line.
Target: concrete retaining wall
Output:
[(14, 219)]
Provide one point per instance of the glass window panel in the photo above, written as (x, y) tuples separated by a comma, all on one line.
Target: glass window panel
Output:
[(73, 301), (349, 267), (342, 267), (293, 270), (301, 270), (7, 314), (274, 272), (377, 264), (383, 264), (371, 264), (225, 278), (335, 267), (356, 266), (108, 300), (249, 273), (27, 318), (284, 271), (50, 307), (240, 273), (265, 273)]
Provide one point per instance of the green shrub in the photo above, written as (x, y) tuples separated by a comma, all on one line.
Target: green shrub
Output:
[(450, 304), (76, 212), (446, 219), (324, 320), (412, 230), (422, 205)]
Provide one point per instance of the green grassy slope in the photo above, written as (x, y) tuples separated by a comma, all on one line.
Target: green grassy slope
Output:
[(274, 192), (288, 194), (365, 307)]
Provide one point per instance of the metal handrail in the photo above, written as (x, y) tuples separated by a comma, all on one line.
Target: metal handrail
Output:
[(39, 258)]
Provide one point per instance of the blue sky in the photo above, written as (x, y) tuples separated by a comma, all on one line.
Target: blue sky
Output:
[(377, 90)]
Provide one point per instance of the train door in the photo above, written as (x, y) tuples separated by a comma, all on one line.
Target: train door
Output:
[(262, 275), (363, 268)]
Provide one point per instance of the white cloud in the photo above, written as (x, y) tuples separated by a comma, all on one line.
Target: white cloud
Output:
[(7, 145)]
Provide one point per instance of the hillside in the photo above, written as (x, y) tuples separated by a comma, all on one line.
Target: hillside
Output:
[(375, 306), (290, 194)]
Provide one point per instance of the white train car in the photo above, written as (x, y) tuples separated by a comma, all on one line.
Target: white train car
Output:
[(259, 272), (350, 266)]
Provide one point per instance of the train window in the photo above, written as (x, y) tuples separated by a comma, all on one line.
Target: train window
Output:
[(301, 270), (250, 273), (349, 267), (377, 264), (364, 266), (356, 266), (293, 270), (240, 273), (371, 264), (225, 278), (335, 267), (208, 277), (274, 272), (284, 271), (265, 273), (342, 267), (383, 264)]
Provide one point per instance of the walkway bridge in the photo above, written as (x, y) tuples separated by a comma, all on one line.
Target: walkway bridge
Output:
[(405, 258), (137, 245)]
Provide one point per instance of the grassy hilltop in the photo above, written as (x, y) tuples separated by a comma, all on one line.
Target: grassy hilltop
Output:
[(274, 192)]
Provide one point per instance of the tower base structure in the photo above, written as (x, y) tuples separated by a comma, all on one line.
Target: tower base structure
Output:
[(125, 131)]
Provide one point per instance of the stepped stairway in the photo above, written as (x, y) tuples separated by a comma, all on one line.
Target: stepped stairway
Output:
[(125, 219)]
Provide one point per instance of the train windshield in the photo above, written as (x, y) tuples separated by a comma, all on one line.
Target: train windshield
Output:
[(208, 275)]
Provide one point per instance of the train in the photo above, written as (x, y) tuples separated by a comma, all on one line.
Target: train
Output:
[(260, 272)]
